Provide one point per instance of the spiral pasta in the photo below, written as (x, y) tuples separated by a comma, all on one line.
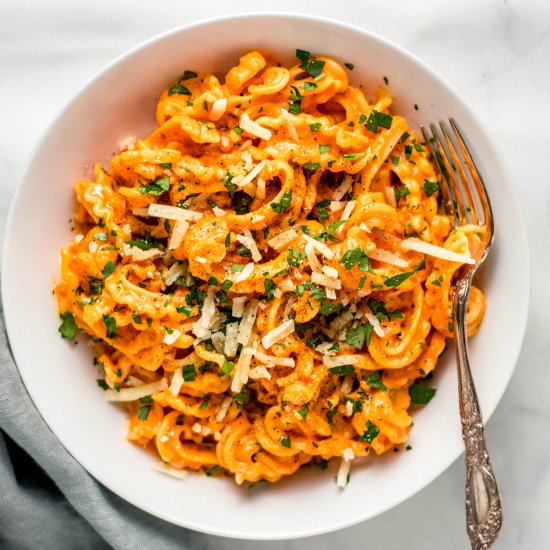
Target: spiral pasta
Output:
[(267, 275)]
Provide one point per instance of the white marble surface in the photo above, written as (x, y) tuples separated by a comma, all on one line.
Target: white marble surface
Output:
[(494, 53)]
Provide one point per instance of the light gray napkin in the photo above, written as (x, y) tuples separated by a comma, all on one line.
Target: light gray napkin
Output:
[(75, 511)]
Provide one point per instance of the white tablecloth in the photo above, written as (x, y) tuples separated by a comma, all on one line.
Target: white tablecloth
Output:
[(494, 53)]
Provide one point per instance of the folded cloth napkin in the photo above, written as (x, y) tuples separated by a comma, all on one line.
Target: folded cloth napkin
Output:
[(51, 501)]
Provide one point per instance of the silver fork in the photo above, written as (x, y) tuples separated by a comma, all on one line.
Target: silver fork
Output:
[(466, 199)]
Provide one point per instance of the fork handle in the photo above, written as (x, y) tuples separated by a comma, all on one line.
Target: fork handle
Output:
[(483, 508)]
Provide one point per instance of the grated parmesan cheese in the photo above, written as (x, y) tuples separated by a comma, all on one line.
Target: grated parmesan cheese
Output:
[(324, 280), (320, 247), (364, 227), (176, 383), (349, 408), (237, 309), (218, 109), (251, 175), (92, 247), (245, 273), (436, 251), (260, 189), (139, 255), (347, 384), (273, 361), (347, 211), (282, 239), (171, 337), (348, 454), (390, 196), (312, 260), (143, 212), (254, 128), (218, 341), (290, 125), (278, 333), (259, 372), (247, 323), (218, 212), (78, 238), (343, 473), (201, 327), (176, 271), (388, 258), (249, 242), (373, 320), (173, 212), (343, 188), (231, 332), (335, 206), (164, 468), (224, 407), (330, 272), (137, 392)]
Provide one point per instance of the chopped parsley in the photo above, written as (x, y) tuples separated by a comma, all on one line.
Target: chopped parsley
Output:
[(136, 317), (189, 373), (269, 287), (283, 204), (293, 257), (312, 65), (349, 66), (214, 470), (186, 310), (374, 381), (400, 192), (324, 149), (376, 119), (108, 268), (227, 367), (156, 188), (420, 394), (315, 127), (241, 398), (143, 412), (316, 292), (370, 434), (304, 410), (68, 328), (295, 101), (313, 166), (110, 325), (285, 441), (143, 243), (396, 280), (342, 369), (430, 187), (356, 256), (178, 89), (241, 202), (357, 336)]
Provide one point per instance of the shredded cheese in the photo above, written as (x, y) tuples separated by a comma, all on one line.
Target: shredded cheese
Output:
[(173, 212), (237, 309), (259, 372), (260, 188), (137, 392), (176, 383), (245, 273), (343, 473), (178, 232), (231, 344), (320, 247), (253, 128), (171, 337), (343, 188), (224, 407), (164, 468), (251, 175), (330, 272), (278, 333), (373, 320), (324, 280), (249, 242), (293, 134), (172, 275), (388, 257), (247, 323), (312, 260), (274, 361), (436, 251), (282, 239), (218, 109), (139, 255)]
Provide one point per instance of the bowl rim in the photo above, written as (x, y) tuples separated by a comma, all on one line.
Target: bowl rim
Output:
[(522, 314)]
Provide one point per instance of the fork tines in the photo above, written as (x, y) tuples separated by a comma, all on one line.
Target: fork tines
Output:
[(462, 187)]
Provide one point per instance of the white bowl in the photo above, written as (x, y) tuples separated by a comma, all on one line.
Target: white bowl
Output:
[(60, 378)]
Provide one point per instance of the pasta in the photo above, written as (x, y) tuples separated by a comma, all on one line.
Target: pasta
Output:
[(266, 277)]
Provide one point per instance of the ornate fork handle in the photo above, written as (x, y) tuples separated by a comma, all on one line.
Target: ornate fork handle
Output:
[(483, 509)]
